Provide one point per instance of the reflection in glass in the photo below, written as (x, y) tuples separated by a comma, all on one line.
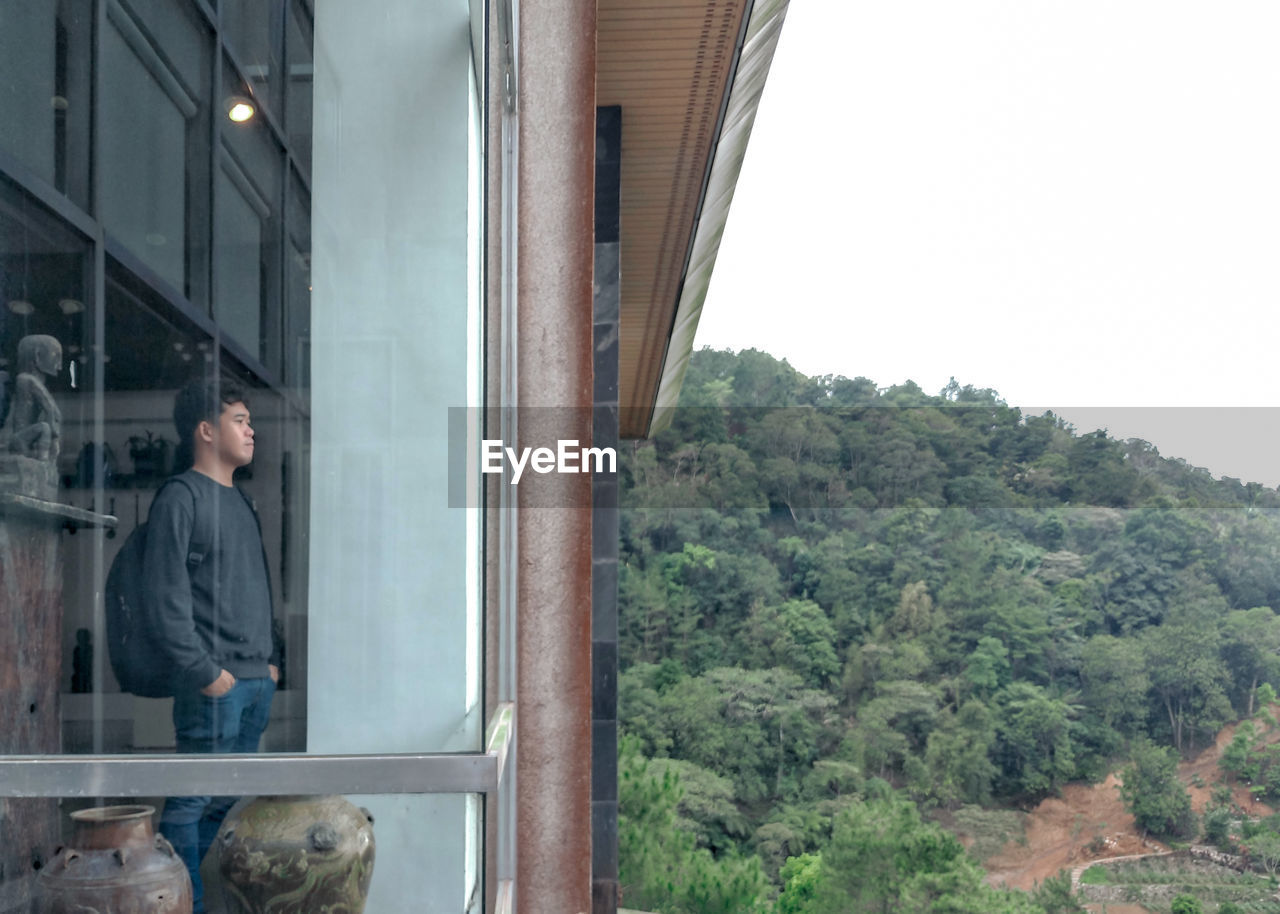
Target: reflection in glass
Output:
[(177, 30), (154, 146), (246, 230), (44, 91), (297, 312), (238, 237), (301, 74), (42, 266), (251, 29), (42, 280)]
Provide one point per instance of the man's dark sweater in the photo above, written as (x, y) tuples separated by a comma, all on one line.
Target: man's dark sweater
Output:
[(216, 614)]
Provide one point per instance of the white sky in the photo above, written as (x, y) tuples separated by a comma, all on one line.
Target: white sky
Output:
[(1076, 203)]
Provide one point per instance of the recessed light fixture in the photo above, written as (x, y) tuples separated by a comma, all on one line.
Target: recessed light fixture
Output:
[(70, 306), (240, 109), (20, 306), (59, 103)]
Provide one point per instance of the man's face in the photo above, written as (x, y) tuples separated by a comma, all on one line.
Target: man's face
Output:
[(233, 438)]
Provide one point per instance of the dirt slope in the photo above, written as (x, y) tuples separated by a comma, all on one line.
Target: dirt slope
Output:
[(1088, 822)]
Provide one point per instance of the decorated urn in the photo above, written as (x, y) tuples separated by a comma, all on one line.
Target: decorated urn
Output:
[(296, 855), (115, 863)]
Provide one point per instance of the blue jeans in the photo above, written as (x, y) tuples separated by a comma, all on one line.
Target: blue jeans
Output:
[(230, 723)]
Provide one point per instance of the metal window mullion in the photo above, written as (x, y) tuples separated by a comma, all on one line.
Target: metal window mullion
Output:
[(207, 13), (46, 195), (246, 775), (273, 119), (216, 117), (508, 557), (97, 313)]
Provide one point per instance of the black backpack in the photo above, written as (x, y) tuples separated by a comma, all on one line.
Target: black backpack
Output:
[(136, 653)]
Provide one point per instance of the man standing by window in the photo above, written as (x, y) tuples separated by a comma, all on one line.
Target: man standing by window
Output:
[(210, 600)]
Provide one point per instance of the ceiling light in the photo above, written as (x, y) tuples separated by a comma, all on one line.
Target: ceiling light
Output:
[(240, 109), (18, 306), (70, 306)]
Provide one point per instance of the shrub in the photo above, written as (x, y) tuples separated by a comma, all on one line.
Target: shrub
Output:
[(1154, 795)]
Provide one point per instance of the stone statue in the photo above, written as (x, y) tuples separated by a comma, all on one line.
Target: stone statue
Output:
[(35, 422)]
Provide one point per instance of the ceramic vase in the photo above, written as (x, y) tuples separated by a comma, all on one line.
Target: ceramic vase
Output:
[(296, 855), (115, 864)]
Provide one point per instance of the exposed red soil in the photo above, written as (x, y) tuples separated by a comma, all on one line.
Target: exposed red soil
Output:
[(1064, 831), (1061, 830)]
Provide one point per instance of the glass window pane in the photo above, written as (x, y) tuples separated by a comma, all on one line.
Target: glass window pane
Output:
[(394, 569), (247, 235), (349, 867), (44, 91), (43, 294), (301, 71), (178, 32), (297, 316), (152, 349), (208, 275), (251, 29), (241, 231), (154, 151)]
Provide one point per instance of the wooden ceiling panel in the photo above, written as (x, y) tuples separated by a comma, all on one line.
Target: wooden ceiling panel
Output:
[(668, 65)]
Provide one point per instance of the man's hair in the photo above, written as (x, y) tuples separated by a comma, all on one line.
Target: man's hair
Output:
[(200, 401)]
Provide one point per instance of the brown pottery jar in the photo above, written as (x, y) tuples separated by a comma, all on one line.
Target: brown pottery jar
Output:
[(115, 864), (296, 855)]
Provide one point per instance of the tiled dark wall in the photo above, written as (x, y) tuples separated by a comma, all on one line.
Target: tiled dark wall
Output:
[(604, 523)]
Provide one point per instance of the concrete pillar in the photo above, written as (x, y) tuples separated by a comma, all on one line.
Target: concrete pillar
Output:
[(555, 254)]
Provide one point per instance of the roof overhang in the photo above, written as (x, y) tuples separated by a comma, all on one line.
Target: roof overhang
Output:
[(687, 75)]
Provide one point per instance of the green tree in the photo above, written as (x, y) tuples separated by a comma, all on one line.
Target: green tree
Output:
[(883, 858), (760, 728), (797, 635), (660, 866), (800, 877), (1186, 904), (988, 668), (1185, 666), (1033, 747), (706, 808), (1116, 683), (1055, 897), (1265, 848), (1159, 802), (958, 756), (1251, 649), (1235, 757)]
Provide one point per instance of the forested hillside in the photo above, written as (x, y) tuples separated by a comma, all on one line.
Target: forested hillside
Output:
[(842, 608)]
